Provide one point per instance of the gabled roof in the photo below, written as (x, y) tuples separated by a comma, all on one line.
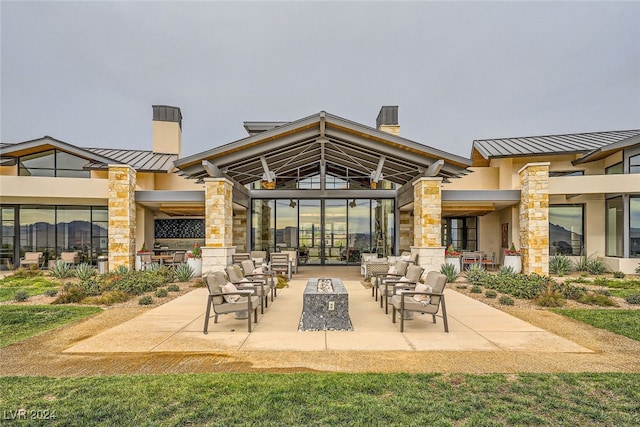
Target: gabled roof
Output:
[(299, 147), (97, 158), (576, 143)]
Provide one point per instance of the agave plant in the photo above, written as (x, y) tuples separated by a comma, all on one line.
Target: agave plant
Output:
[(183, 272), (450, 271), (560, 265), (121, 270), (84, 271), (506, 270), (61, 270)]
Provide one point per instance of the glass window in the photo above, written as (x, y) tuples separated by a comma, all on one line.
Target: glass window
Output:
[(566, 173), (634, 164), (262, 225), (7, 233), (286, 224), (74, 228), (566, 230), (614, 169), (634, 231), (461, 232), (53, 163), (359, 214), (614, 227)]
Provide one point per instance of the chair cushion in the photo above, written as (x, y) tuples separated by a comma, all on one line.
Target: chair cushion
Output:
[(392, 270), (421, 287), (230, 287), (257, 270)]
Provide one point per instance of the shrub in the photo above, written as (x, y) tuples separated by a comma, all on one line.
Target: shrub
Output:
[(21, 295), (569, 291), (183, 272), (596, 266), (580, 263), (490, 293), (506, 270), (162, 292), (450, 271), (121, 270), (633, 299), (24, 273), (70, 294), (461, 286), (61, 270), (505, 300), (618, 274), (199, 283), (145, 300), (518, 285), (139, 282), (475, 274), (108, 298), (475, 289), (282, 282), (173, 288), (638, 269), (51, 292), (593, 298), (84, 271), (560, 265), (550, 298)]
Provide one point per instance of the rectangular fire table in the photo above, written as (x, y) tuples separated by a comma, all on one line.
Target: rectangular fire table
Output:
[(325, 306)]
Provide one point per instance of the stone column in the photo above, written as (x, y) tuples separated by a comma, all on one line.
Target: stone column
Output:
[(240, 231), (534, 218), (122, 216), (218, 224), (427, 223)]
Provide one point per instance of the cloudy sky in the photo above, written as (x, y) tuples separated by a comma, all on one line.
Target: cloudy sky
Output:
[(88, 72)]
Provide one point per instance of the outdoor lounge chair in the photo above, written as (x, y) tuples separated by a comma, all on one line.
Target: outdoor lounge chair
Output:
[(69, 258), (179, 257), (405, 300), (32, 258), (267, 276), (256, 286), (237, 258), (216, 302), (378, 278), (280, 263), (409, 280)]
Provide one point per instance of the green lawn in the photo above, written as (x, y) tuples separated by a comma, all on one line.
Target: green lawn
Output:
[(328, 399), (622, 322), (19, 322), (33, 285)]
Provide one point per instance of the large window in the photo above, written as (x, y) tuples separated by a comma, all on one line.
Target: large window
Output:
[(566, 229), (56, 229), (615, 227), (616, 169), (53, 163), (634, 164), (8, 234), (462, 233), (634, 227)]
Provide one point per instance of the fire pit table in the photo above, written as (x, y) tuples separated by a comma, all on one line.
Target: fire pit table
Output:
[(325, 306)]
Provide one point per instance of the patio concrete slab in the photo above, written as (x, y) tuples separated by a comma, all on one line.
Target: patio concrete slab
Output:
[(177, 327)]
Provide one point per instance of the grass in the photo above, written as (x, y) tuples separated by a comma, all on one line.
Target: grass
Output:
[(19, 322), (622, 322), (33, 285), (329, 399)]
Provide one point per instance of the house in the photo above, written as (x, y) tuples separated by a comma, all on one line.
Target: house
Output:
[(330, 187)]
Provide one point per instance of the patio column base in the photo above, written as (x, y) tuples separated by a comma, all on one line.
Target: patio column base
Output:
[(429, 258), (216, 259)]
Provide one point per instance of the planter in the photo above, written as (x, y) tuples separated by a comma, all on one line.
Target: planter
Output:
[(196, 266), (455, 261), (513, 261)]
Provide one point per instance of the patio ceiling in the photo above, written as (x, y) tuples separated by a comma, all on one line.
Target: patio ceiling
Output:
[(298, 149)]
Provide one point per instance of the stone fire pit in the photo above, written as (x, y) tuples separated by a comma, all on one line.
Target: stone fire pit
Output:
[(325, 306)]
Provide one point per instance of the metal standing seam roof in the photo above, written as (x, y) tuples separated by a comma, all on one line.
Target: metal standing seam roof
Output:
[(140, 160), (549, 144)]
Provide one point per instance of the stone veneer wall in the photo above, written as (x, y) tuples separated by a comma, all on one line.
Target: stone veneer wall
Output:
[(122, 216), (218, 228), (240, 231), (406, 230), (534, 218), (427, 223)]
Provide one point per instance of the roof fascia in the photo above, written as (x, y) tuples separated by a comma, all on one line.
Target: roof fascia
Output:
[(607, 150), (15, 149)]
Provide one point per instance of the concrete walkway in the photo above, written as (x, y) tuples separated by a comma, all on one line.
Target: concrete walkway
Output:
[(177, 327)]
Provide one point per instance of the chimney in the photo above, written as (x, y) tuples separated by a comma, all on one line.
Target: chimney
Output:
[(387, 120), (167, 130)]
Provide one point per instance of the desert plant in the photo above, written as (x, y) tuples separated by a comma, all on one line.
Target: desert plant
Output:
[(633, 299), (145, 300), (162, 292), (51, 292), (450, 271), (84, 271), (61, 270), (461, 286), (506, 270), (594, 298), (505, 300), (580, 263), (70, 294), (475, 289), (183, 272), (108, 298), (490, 293), (596, 266), (560, 265), (475, 274), (21, 295), (121, 270), (638, 269), (550, 298), (173, 288), (282, 282), (619, 274)]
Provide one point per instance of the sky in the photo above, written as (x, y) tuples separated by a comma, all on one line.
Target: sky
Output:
[(88, 72)]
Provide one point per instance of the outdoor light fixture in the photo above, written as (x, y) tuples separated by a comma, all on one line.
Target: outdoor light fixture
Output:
[(353, 203), (292, 203)]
